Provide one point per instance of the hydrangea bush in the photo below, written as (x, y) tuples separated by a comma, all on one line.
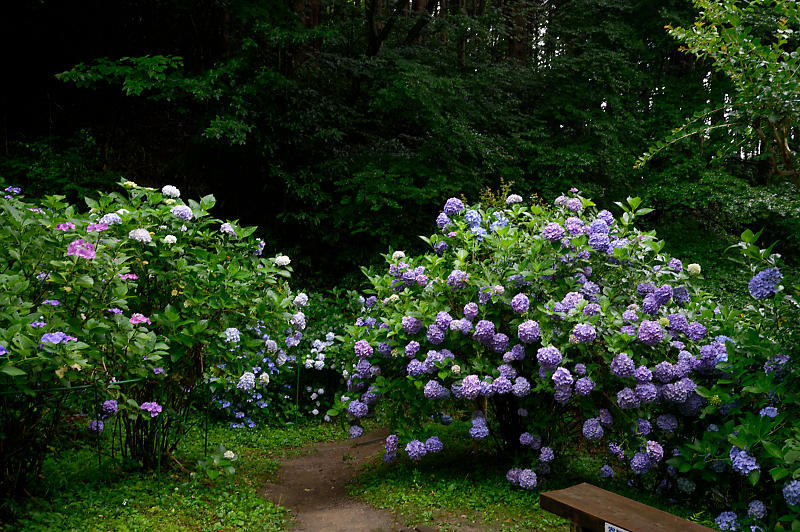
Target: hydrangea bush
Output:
[(540, 329), (133, 296)]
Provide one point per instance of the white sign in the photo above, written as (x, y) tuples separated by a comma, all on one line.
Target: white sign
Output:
[(614, 528)]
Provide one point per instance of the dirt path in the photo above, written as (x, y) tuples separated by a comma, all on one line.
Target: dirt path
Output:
[(313, 486)]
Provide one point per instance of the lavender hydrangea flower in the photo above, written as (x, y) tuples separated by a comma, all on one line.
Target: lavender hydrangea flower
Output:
[(622, 366), (574, 204), (362, 349), (764, 284), (520, 303), (521, 388), (592, 430), (598, 226), (584, 386), (562, 377), (769, 411), (182, 212), (457, 279), (600, 242), (513, 475), (442, 220), (606, 471), (356, 431), (646, 392), (416, 450), (484, 332), (562, 394), (616, 450), (529, 332), (500, 343), (573, 225), (791, 493), (650, 333), (580, 369), (411, 348), (152, 407), (553, 232), (453, 206), (667, 422), (471, 311), (696, 331), (742, 462), (645, 288), (472, 217), (471, 387), (605, 417), (630, 316), (479, 429), (654, 450), (96, 425), (357, 409), (434, 334), (675, 265), (549, 357), (727, 521), (643, 427), (640, 463), (435, 392), (546, 454), (584, 332), (592, 309), (527, 479), (650, 305), (757, 509), (433, 445), (411, 325), (626, 398)]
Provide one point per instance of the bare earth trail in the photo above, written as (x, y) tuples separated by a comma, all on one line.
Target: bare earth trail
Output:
[(314, 485)]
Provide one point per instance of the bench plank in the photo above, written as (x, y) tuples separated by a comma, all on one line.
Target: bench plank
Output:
[(591, 507)]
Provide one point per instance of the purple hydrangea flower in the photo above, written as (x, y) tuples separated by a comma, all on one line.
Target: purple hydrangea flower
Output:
[(416, 450), (646, 392), (96, 425), (592, 429), (584, 386), (626, 398), (471, 387), (442, 220), (357, 409), (605, 417), (362, 349), (356, 431), (640, 463), (412, 348), (573, 225), (415, 368), (574, 204), (152, 407), (654, 450), (479, 429), (411, 325), (553, 232), (513, 475), (484, 332), (650, 305), (521, 388), (622, 366), (769, 411), (727, 521), (630, 316), (696, 331), (458, 279), (600, 242), (742, 462), (791, 492), (549, 357), (675, 265), (584, 332), (562, 377), (500, 343), (650, 333), (667, 422), (502, 385), (391, 443), (546, 454), (528, 332), (435, 335), (764, 284), (643, 427), (592, 309), (433, 445), (580, 369), (616, 450), (520, 303), (453, 206), (606, 471), (527, 479), (435, 392)]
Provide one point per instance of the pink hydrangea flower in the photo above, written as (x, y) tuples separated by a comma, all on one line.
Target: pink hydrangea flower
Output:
[(67, 226), (96, 227), (137, 318), (81, 248)]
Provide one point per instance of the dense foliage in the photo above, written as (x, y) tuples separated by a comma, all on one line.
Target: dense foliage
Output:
[(342, 119), (556, 328), (138, 298)]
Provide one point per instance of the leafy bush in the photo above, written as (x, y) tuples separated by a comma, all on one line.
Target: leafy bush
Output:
[(131, 298), (561, 328)]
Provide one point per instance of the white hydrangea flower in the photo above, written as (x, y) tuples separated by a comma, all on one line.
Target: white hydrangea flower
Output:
[(170, 239), (694, 269), (282, 260), (309, 363), (280, 360), (315, 411), (319, 365), (456, 369), (314, 396), (229, 455), (513, 198), (171, 191), (227, 229), (300, 300), (321, 391), (397, 255), (271, 346), (263, 379), (140, 235), (499, 290), (327, 417), (129, 184)]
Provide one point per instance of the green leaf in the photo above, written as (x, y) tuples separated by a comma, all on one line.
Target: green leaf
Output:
[(778, 473), (754, 476), (748, 236), (212, 473), (12, 371), (332, 412), (84, 281), (207, 202)]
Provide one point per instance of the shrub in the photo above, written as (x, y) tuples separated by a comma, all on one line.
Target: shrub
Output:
[(132, 297), (538, 329)]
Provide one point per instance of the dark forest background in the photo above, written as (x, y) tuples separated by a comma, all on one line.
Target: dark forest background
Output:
[(341, 127)]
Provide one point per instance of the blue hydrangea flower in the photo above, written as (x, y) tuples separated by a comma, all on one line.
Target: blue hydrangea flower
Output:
[(433, 445), (727, 521), (757, 509), (416, 450), (592, 429), (769, 411), (622, 366), (606, 471), (529, 332), (584, 332), (527, 479), (764, 284), (791, 492), (453, 206), (553, 232), (549, 357)]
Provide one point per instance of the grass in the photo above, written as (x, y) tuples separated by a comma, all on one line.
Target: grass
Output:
[(76, 494), (465, 486)]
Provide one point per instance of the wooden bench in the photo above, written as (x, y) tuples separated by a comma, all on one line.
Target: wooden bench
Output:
[(592, 509)]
